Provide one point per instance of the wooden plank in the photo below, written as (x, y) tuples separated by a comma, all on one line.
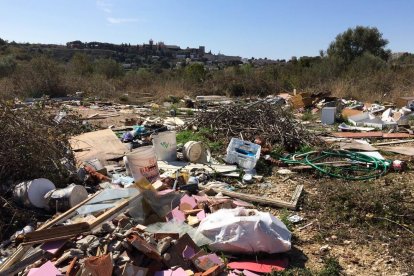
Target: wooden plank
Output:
[(373, 134), (21, 265), (22, 249), (103, 217), (296, 195), (257, 199), (409, 151), (102, 144), (57, 232), (396, 135), (393, 142)]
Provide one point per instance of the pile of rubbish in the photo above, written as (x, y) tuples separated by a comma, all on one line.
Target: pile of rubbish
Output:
[(269, 120), (138, 203)]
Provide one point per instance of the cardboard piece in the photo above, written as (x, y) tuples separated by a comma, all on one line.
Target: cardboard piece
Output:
[(103, 145)]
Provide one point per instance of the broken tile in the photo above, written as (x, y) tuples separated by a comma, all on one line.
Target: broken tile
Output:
[(187, 203), (47, 269), (206, 262), (176, 214), (53, 246), (178, 272), (188, 252)]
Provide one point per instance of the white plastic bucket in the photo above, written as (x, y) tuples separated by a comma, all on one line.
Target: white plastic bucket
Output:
[(196, 152), (165, 145), (143, 163), (31, 193)]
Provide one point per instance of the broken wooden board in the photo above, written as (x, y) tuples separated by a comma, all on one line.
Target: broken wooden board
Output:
[(400, 150), (102, 144), (373, 134), (355, 135), (292, 204), (354, 145)]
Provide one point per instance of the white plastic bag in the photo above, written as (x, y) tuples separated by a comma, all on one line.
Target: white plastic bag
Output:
[(243, 230)]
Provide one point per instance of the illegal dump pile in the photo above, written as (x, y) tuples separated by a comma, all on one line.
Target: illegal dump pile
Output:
[(271, 122), (138, 203)]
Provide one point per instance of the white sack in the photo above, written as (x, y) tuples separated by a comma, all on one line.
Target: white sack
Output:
[(243, 230)]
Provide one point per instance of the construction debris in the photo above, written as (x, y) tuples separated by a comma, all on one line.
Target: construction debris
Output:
[(134, 201)]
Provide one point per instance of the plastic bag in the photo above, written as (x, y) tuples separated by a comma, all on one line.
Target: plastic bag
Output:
[(243, 230)]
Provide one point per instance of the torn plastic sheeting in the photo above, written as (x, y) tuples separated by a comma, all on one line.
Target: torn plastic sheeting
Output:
[(150, 201), (180, 228), (245, 231)]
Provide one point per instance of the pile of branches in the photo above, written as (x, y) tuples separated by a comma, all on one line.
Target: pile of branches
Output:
[(34, 145), (274, 124)]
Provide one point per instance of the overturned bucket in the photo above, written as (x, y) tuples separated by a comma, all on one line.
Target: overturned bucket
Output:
[(31, 193), (143, 163), (66, 198), (196, 152)]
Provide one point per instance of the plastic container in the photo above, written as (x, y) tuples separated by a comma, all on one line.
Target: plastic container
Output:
[(165, 145), (143, 163), (196, 152), (64, 199), (31, 193), (243, 153)]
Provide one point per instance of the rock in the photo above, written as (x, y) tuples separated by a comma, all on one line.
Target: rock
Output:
[(166, 257), (108, 227), (324, 248), (164, 244), (347, 242), (115, 246), (86, 242)]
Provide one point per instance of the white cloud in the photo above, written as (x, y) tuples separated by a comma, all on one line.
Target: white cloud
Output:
[(113, 20), (104, 5)]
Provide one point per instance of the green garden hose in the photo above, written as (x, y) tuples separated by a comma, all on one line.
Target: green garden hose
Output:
[(358, 166)]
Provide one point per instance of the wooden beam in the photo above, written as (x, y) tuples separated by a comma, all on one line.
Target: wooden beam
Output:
[(259, 199), (22, 249)]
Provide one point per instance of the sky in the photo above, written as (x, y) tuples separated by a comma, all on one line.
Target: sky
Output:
[(248, 28)]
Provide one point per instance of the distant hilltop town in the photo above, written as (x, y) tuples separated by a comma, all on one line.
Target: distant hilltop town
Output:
[(131, 55)]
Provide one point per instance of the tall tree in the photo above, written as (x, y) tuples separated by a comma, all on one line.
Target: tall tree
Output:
[(355, 42)]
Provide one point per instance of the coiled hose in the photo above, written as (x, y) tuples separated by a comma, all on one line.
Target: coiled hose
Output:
[(356, 166)]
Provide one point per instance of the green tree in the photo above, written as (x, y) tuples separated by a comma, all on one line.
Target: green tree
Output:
[(81, 64), (109, 68), (7, 65), (195, 72), (42, 76), (2, 42), (355, 42)]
